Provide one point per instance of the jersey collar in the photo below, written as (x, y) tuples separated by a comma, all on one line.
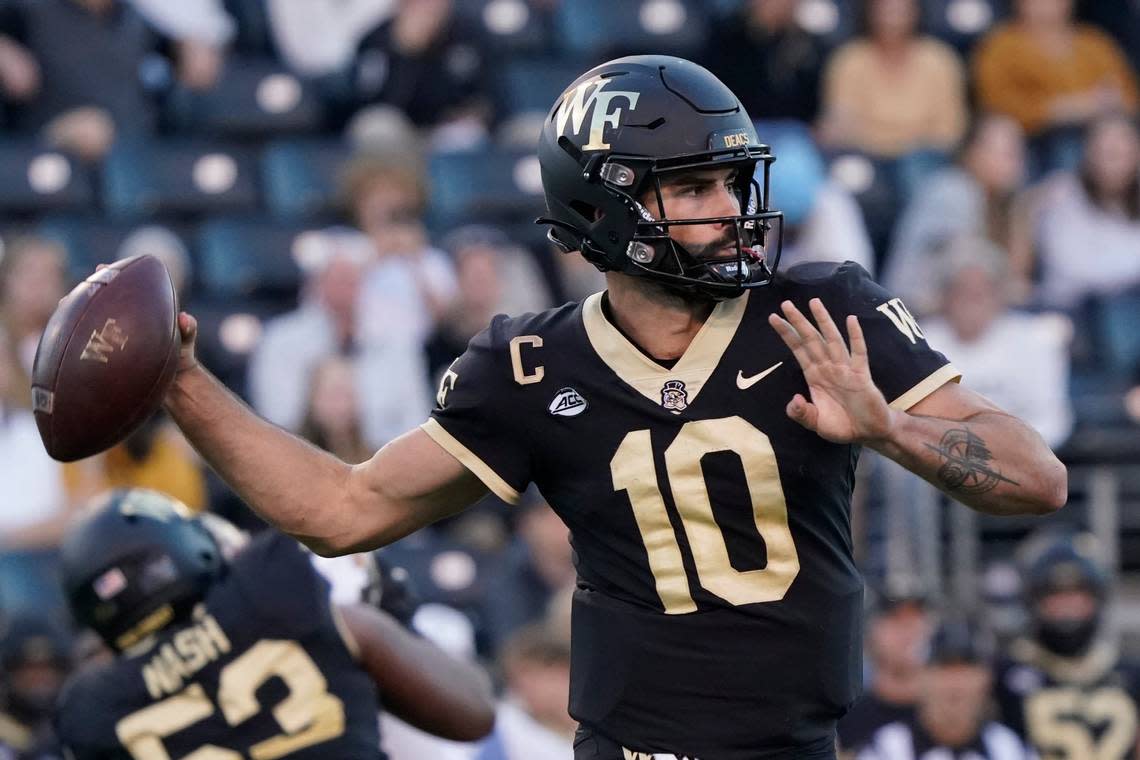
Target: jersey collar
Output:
[(648, 377)]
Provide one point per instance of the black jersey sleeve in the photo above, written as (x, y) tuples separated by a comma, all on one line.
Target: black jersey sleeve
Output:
[(477, 418), (903, 364), (80, 715)]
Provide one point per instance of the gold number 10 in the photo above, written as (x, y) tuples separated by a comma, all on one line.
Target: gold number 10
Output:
[(633, 471)]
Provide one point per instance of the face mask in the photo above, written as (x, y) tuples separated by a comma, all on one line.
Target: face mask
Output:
[(1067, 638)]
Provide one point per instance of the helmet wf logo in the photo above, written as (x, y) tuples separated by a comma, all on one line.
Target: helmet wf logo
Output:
[(588, 97)]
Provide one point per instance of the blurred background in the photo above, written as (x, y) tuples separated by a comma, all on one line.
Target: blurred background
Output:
[(344, 190)]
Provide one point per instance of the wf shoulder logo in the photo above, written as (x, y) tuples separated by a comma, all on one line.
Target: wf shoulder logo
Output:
[(588, 97), (568, 403)]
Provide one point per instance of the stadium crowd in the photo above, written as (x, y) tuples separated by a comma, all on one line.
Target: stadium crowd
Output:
[(344, 190)]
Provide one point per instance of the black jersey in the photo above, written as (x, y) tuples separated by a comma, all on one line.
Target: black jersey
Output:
[(262, 671), (718, 611), (1070, 708)]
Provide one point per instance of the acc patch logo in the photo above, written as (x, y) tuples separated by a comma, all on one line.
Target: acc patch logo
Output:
[(589, 97), (568, 403), (674, 397)]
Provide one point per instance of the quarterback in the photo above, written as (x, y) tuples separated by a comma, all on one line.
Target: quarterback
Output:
[(696, 426)]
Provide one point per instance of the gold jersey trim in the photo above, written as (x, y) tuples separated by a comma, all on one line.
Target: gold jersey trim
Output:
[(471, 461), (947, 373), (648, 377)]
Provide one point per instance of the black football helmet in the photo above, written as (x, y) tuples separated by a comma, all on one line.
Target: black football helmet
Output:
[(606, 144), (1065, 562), (136, 563)]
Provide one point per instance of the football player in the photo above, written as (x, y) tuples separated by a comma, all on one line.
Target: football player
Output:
[(245, 657), (1064, 687), (696, 426)]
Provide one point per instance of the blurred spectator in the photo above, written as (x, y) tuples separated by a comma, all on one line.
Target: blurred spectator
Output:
[(973, 198), (532, 722), (35, 512), (156, 456), (100, 70), (319, 37), (535, 567), (332, 414), (950, 719), (1064, 687), (1019, 360), (579, 277), (1087, 222), (167, 247), (898, 633), (32, 272), (35, 656), (1050, 73), (494, 276), (421, 61), (201, 29), (893, 91), (333, 320), (765, 57), (412, 285)]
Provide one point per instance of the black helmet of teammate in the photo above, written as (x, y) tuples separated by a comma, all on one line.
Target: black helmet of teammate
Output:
[(607, 142), (138, 561), (1065, 562)]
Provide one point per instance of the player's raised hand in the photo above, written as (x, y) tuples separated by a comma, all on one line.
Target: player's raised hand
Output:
[(845, 405)]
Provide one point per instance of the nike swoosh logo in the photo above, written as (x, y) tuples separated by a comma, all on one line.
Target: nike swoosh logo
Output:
[(744, 383)]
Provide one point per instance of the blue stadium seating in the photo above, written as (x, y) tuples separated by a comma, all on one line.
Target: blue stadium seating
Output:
[(35, 179), (599, 29), (301, 177), (531, 84), (1119, 318), (91, 240), (253, 98), (799, 170), (961, 23), (489, 186), (143, 178), (505, 27), (240, 258)]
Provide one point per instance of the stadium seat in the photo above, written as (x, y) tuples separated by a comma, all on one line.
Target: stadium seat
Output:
[(35, 179), (142, 178), (799, 170), (530, 85), (301, 177), (874, 184), (504, 27), (91, 240), (488, 186), (601, 29), (833, 21), (960, 23), (254, 98), (243, 258), (1119, 318), (228, 332)]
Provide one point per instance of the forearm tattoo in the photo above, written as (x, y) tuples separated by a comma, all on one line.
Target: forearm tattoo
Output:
[(966, 464)]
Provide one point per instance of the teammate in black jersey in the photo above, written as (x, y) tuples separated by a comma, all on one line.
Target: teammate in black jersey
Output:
[(696, 426), (1064, 687), (229, 659)]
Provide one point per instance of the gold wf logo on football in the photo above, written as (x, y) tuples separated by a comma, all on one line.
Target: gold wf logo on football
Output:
[(104, 342)]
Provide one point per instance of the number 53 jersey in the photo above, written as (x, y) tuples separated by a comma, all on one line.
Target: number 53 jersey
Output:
[(718, 608), (263, 670)]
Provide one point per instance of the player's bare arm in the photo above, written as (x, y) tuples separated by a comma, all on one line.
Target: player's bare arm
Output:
[(954, 438), (333, 507), (421, 684)]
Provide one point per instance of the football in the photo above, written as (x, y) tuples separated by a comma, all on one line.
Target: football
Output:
[(106, 358)]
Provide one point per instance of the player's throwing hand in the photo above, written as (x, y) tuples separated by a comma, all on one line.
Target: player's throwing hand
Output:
[(845, 406)]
